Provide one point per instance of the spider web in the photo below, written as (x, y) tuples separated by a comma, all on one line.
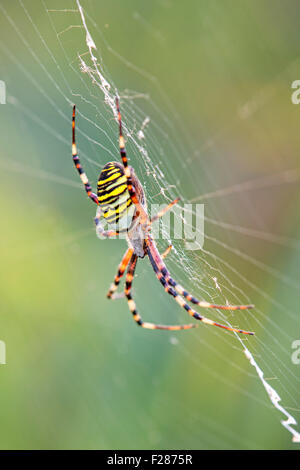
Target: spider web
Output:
[(68, 46)]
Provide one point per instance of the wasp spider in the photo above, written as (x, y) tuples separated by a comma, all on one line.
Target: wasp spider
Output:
[(120, 196)]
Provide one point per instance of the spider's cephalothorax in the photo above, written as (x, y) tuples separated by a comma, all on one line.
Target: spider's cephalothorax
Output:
[(121, 201)]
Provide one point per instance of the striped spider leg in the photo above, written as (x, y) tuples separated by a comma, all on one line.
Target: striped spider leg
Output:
[(121, 270), (178, 292), (128, 171), (132, 306), (77, 163)]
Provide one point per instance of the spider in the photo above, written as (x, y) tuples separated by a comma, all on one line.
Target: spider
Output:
[(120, 196)]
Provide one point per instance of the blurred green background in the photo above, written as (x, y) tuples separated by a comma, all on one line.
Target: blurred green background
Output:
[(215, 79)]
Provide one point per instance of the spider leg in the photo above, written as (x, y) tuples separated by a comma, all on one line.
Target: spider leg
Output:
[(131, 188), (180, 290), (153, 256), (78, 166), (164, 210), (123, 154), (132, 306), (167, 251), (121, 137), (121, 270)]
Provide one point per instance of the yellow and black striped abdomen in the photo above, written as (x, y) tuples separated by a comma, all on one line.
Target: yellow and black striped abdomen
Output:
[(113, 194)]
